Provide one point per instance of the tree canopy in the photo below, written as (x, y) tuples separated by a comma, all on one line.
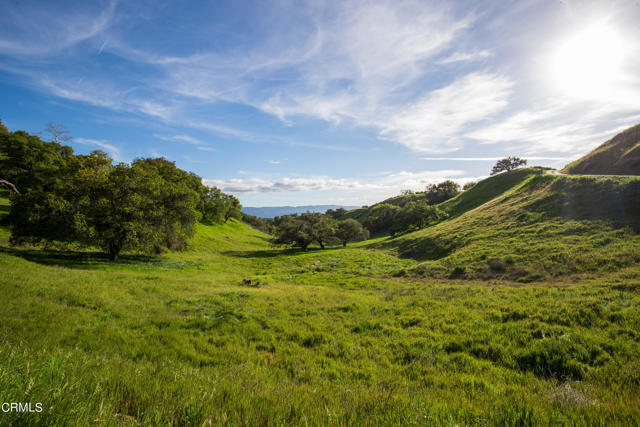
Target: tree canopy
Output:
[(507, 164), (438, 193), (148, 206)]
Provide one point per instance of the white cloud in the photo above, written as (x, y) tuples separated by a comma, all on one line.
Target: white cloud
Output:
[(108, 147), (558, 126), (359, 63), (273, 162), (436, 121), (353, 62), (45, 31), (200, 145), (465, 57), (492, 159), (391, 182)]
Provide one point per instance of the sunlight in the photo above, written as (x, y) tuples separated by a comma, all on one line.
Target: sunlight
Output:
[(589, 63)]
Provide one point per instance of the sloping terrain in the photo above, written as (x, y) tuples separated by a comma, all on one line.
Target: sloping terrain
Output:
[(328, 338), (547, 226), (618, 156), (482, 192), (486, 190)]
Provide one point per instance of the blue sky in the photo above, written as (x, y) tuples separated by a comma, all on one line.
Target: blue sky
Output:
[(344, 102)]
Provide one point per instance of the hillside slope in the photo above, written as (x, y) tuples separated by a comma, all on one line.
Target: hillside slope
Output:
[(482, 192), (618, 156), (328, 338), (486, 190), (548, 226)]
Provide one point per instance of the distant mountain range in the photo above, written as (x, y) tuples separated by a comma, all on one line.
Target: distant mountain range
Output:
[(272, 211)]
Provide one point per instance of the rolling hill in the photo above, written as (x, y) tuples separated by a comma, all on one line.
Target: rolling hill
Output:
[(521, 308), (331, 337), (539, 227), (618, 156)]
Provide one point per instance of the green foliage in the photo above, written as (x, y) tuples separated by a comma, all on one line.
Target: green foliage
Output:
[(337, 213), (349, 230), (486, 190), (507, 164), (415, 215), (468, 186), (263, 224), (332, 339), (231, 207), (541, 228), (438, 193), (300, 231), (211, 205), (294, 231), (381, 217), (33, 165), (148, 206)]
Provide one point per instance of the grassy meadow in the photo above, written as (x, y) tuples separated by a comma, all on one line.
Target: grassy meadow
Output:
[(522, 309)]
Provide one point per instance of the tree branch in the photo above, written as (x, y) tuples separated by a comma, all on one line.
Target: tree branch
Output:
[(6, 183)]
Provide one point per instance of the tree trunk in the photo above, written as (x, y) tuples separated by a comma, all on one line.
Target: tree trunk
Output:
[(114, 251), (321, 244), (344, 243)]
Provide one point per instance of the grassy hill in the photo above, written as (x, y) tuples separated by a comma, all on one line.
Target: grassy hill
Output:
[(618, 156), (482, 192), (486, 190), (336, 336), (544, 226)]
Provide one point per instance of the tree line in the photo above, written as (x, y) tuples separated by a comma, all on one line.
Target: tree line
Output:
[(410, 211), (149, 205)]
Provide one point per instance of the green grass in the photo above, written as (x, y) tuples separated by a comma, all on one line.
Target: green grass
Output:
[(337, 336), (486, 190), (547, 227), (618, 156)]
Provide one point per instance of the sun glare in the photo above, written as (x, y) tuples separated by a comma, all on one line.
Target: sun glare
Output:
[(589, 63)]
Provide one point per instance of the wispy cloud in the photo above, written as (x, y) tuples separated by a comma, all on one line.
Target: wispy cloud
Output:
[(490, 159), (53, 28), (558, 126), (200, 145), (422, 74), (434, 122), (392, 182), (465, 57), (107, 146)]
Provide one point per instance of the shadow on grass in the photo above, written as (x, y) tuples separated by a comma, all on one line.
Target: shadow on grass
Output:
[(77, 259), (272, 253)]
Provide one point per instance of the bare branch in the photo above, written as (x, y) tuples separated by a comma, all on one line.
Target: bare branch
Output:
[(59, 132), (6, 183)]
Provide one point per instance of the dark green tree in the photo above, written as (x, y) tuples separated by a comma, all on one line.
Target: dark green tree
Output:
[(322, 228), (134, 207), (416, 214), (335, 214), (232, 207), (381, 217), (349, 230), (468, 186), (211, 205), (507, 164), (293, 231), (438, 193)]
